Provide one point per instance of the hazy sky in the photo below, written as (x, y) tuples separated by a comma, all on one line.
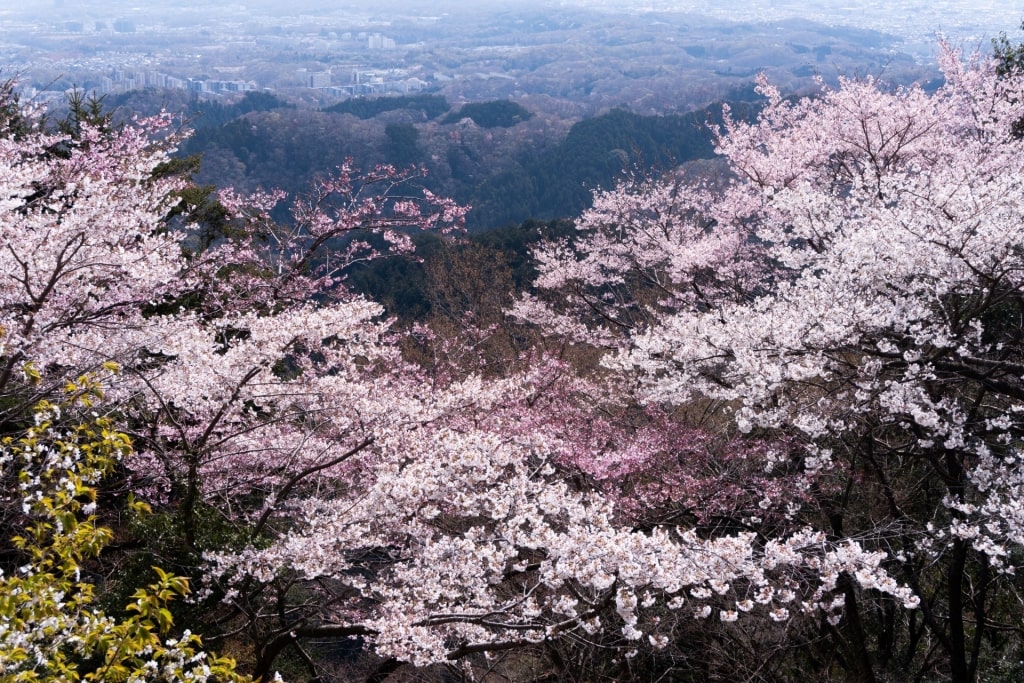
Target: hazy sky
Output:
[(964, 19)]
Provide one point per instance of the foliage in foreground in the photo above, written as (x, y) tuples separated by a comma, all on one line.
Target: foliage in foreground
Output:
[(50, 627)]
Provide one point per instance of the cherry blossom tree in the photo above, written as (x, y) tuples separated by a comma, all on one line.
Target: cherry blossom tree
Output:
[(855, 287), (82, 247), (269, 372), (457, 534), (433, 515)]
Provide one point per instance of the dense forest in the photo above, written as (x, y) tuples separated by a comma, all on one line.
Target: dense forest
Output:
[(543, 184), (497, 157)]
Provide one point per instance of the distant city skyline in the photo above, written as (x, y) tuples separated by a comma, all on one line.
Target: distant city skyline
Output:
[(328, 50)]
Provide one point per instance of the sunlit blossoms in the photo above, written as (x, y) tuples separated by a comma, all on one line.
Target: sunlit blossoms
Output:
[(855, 287), (82, 249)]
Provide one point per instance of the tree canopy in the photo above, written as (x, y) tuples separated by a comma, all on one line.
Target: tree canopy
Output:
[(743, 426), (854, 288)]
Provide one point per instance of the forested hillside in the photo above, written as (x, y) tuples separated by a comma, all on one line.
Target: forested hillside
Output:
[(506, 163)]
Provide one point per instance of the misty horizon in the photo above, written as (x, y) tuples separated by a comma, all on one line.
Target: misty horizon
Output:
[(649, 55)]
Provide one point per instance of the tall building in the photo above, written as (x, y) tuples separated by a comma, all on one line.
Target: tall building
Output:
[(319, 79)]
